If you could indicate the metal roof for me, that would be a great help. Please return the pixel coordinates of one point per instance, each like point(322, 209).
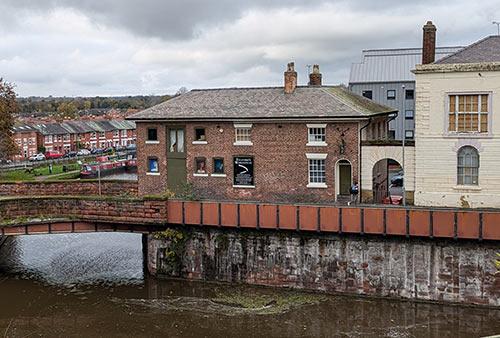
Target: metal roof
point(263, 103)
point(391, 65)
point(485, 50)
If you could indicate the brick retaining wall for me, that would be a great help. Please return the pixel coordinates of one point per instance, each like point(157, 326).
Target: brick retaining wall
point(99, 209)
point(70, 188)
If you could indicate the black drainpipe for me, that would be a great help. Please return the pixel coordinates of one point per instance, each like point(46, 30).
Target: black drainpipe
point(360, 159)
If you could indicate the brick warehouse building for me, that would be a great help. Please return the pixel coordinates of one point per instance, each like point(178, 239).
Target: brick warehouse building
point(291, 143)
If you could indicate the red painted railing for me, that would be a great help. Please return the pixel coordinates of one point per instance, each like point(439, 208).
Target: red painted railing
point(363, 220)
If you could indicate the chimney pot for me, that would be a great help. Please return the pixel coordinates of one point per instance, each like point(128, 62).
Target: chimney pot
point(290, 78)
point(315, 77)
point(429, 43)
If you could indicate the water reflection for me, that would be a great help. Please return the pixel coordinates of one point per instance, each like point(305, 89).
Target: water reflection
point(92, 285)
point(75, 258)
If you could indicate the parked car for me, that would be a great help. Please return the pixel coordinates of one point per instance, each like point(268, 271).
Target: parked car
point(37, 157)
point(109, 150)
point(83, 152)
point(70, 154)
point(52, 155)
point(96, 151)
point(397, 181)
point(131, 147)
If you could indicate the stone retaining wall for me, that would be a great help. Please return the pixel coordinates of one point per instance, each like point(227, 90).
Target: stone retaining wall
point(69, 188)
point(444, 270)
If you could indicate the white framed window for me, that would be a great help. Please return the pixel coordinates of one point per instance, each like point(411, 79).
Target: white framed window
point(468, 166)
point(317, 170)
point(153, 167)
point(316, 135)
point(243, 134)
point(468, 113)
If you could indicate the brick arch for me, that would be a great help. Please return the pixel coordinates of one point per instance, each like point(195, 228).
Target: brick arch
point(373, 154)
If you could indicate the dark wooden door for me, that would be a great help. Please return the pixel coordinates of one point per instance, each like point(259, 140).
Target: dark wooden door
point(176, 159)
point(345, 178)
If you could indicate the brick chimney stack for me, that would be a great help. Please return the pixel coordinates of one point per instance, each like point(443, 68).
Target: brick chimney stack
point(315, 77)
point(429, 43)
point(290, 78)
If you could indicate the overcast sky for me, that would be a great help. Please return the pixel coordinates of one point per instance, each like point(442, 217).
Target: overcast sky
point(122, 47)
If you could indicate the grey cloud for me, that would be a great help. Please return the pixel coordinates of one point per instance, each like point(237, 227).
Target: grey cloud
point(183, 19)
point(200, 43)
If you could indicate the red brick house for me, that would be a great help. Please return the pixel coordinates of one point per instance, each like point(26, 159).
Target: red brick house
point(291, 143)
point(71, 136)
point(27, 141)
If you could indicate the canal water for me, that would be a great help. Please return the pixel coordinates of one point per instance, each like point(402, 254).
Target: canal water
point(92, 285)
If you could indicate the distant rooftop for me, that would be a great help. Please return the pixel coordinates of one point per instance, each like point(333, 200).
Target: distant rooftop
point(485, 50)
point(392, 65)
point(264, 103)
point(80, 127)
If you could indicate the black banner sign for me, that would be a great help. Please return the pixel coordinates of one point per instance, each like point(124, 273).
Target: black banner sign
point(243, 171)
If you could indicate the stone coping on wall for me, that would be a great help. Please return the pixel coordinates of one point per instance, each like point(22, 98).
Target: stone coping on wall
point(68, 187)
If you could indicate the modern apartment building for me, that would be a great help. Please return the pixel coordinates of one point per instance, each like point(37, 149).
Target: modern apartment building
point(384, 75)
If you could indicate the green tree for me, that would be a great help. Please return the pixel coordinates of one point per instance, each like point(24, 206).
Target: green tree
point(8, 107)
point(87, 105)
point(67, 110)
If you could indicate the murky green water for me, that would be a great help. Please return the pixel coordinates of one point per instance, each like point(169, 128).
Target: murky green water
point(92, 285)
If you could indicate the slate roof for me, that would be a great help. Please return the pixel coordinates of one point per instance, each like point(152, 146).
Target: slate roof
point(81, 127)
point(51, 129)
point(485, 50)
point(391, 65)
point(23, 128)
point(263, 103)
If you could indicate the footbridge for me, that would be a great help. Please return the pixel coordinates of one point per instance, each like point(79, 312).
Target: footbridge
point(58, 214)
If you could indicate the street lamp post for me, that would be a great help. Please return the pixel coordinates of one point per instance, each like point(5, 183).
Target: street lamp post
point(498, 26)
point(403, 144)
point(99, 176)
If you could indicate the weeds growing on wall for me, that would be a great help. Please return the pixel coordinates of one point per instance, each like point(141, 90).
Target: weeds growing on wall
point(173, 253)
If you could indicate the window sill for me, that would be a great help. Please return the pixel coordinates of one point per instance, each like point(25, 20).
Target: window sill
point(467, 188)
point(244, 186)
point(243, 143)
point(317, 185)
point(152, 174)
point(200, 142)
point(218, 175)
point(317, 144)
point(200, 175)
point(152, 142)
point(468, 135)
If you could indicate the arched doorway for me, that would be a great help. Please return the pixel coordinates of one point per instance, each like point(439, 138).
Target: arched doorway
point(343, 171)
point(387, 181)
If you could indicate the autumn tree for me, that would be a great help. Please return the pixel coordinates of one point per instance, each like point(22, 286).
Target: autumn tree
point(67, 111)
point(8, 107)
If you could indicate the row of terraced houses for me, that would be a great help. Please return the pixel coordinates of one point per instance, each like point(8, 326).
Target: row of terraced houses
point(71, 136)
point(311, 143)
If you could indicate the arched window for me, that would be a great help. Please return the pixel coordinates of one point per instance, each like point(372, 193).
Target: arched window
point(468, 166)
